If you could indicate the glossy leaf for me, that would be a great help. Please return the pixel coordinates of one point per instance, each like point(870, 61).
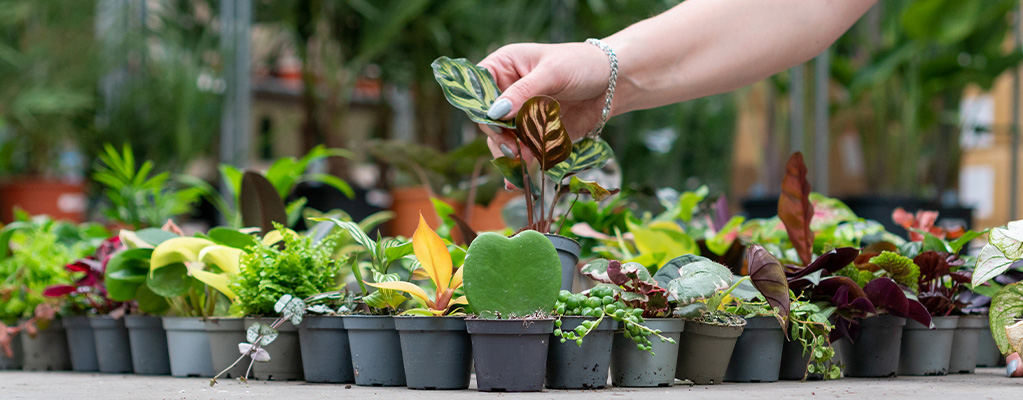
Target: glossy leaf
point(227, 259)
point(593, 189)
point(586, 154)
point(469, 88)
point(885, 294)
point(177, 250)
point(432, 254)
point(260, 203)
point(540, 130)
point(660, 239)
point(688, 201)
point(511, 169)
point(231, 237)
point(991, 262)
point(219, 282)
point(964, 240)
point(125, 272)
point(171, 280)
point(795, 208)
point(416, 292)
point(831, 261)
point(1006, 308)
point(768, 276)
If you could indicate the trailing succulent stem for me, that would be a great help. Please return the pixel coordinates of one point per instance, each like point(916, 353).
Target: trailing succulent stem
point(600, 302)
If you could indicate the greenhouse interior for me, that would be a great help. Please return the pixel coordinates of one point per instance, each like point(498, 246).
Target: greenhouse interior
point(427, 198)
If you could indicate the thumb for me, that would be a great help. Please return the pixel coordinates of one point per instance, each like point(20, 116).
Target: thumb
point(508, 104)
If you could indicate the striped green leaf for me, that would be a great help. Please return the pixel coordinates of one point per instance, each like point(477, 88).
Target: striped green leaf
point(587, 154)
point(541, 131)
point(469, 88)
point(354, 230)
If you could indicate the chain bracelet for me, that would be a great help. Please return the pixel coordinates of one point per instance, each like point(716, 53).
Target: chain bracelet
point(612, 80)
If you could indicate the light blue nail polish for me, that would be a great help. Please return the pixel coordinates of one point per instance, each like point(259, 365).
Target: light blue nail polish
point(506, 150)
point(1011, 367)
point(499, 109)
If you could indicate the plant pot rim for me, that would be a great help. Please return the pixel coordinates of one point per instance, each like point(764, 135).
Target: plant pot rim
point(973, 322)
point(571, 242)
point(324, 322)
point(142, 321)
point(713, 330)
point(940, 323)
point(368, 322)
point(106, 322)
point(883, 320)
point(762, 322)
point(525, 326)
point(421, 323)
point(220, 324)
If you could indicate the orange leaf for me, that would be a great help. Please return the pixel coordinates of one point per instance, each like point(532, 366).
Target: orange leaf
point(456, 281)
point(432, 254)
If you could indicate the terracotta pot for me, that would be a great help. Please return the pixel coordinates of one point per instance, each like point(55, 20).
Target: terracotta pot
point(408, 202)
point(489, 218)
point(36, 195)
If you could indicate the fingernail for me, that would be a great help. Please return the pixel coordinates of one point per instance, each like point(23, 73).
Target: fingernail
point(1010, 368)
point(499, 109)
point(506, 150)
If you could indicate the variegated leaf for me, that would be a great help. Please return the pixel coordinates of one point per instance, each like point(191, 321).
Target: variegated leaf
point(469, 88)
point(593, 189)
point(541, 131)
point(586, 154)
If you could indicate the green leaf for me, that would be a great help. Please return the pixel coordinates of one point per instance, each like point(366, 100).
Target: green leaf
point(294, 210)
point(933, 243)
point(511, 169)
point(231, 238)
point(149, 302)
point(688, 201)
point(232, 178)
point(511, 277)
point(125, 272)
point(593, 189)
point(723, 239)
point(669, 243)
point(965, 239)
point(540, 130)
point(586, 154)
point(469, 88)
point(334, 182)
point(355, 230)
point(170, 281)
point(1006, 308)
point(697, 278)
point(991, 262)
point(154, 236)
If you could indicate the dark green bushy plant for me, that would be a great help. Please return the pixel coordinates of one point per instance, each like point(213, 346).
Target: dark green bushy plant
point(301, 267)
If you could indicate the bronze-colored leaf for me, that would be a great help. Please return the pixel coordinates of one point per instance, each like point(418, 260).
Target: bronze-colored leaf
point(768, 276)
point(795, 208)
point(540, 130)
point(260, 204)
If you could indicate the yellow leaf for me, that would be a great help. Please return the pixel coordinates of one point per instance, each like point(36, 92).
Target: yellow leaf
point(272, 237)
point(461, 300)
point(177, 250)
point(417, 292)
point(432, 254)
point(456, 281)
point(225, 258)
point(216, 281)
point(420, 274)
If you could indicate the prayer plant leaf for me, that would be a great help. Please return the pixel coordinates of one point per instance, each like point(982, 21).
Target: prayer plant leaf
point(586, 154)
point(511, 169)
point(795, 208)
point(599, 193)
point(469, 88)
point(540, 130)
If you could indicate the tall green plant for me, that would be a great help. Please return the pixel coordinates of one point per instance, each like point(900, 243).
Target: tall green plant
point(136, 197)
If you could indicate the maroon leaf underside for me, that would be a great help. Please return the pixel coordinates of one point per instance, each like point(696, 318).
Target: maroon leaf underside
point(795, 209)
point(886, 294)
point(768, 276)
point(831, 261)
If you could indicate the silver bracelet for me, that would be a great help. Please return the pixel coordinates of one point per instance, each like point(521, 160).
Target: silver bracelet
point(595, 133)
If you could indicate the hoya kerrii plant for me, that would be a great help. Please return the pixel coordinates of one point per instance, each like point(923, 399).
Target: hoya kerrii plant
point(538, 128)
point(511, 278)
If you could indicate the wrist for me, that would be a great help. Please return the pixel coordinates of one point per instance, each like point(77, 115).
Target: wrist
point(628, 87)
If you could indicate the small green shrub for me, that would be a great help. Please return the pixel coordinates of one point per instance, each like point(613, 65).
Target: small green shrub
point(300, 268)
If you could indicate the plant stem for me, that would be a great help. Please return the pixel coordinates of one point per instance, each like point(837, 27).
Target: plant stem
point(566, 214)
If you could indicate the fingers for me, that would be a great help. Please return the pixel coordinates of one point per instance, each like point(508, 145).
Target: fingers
point(536, 83)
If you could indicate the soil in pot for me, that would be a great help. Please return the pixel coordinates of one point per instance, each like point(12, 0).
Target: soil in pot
point(188, 345)
point(47, 350)
point(571, 366)
point(285, 353)
point(964, 344)
point(988, 354)
point(704, 351)
point(568, 253)
point(225, 334)
point(632, 367)
point(511, 354)
point(927, 351)
point(376, 350)
point(81, 344)
point(113, 348)
point(148, 345)
point(758, 352)
point(326, 354)
point(18, 356)
point(436, 352)
point(875, 354)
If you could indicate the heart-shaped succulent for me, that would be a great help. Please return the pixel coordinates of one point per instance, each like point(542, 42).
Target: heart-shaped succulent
point(511, 277)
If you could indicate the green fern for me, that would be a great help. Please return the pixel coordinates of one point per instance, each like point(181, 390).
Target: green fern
point(900, 268)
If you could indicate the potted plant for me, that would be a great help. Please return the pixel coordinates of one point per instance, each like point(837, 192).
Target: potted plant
point(375, 343)
point(435, 346)
point(538, 128)
point(1001, 253)
point(807, 353)
point(617, 318)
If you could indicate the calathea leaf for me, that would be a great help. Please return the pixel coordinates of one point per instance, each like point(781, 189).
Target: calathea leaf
point(795, 208)
point(469, 88)
point(577, 186)
point(586, 154)
point(768, 276)
point(541, 131)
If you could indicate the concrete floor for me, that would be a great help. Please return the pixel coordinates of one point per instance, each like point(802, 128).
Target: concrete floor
point(989, 383)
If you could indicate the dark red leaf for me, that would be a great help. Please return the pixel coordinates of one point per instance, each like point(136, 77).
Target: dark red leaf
point(887, 295)
point(59, 290)
point(795, 208)
point(768, 277)
point(933, 266)
point(831, 261)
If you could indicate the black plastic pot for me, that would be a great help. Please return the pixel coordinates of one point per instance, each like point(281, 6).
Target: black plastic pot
point(794, 362)
point(704, 352)
point(436, 352)
point(927, 351)
point(571, 366)
point(15, 362)
point(875, 353)
point(964, 344)
point(632, 367)
point(510, 355)
point(568, 253)
point(188, 345)
point(148, 345)
point(758, 352)
point(47, 350)
point(81, 344)
point(113, 348)
point(326, 355)
point(988, 354)
point(285, 354)
point(376, 350)
point(224, 335)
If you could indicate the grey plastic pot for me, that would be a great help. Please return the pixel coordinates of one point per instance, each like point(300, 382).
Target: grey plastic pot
point(148, 345)
point(964, 344)
point(632, 367)
point(81, 344)
point(113, 348)
point(47, 350)
point(188, 345)
point(988, 354)
point(225, 334)
point(510, 355)
point(326, 355)
point(571, 366)
point(926, 351)
point(15, 362)
point(376, 350)
point(794, 362)
point(876, 352)
point(704, 352)
point(758, 352)
point(436, 352)
point(285, 354)
point(568, 253)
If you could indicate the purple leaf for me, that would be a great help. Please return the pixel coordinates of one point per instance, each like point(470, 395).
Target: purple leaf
point(831, 261)
point(58, 290)
point(768, 277)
